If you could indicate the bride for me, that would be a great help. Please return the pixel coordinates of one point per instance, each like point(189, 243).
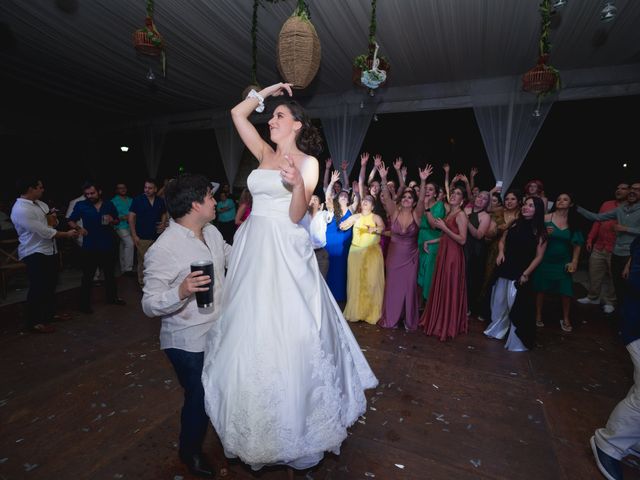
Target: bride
point(283, 375)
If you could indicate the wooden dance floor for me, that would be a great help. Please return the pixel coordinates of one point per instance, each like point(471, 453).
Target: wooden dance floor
point(98, 400)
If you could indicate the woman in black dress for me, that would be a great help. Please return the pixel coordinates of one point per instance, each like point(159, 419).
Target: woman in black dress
point(520, 251)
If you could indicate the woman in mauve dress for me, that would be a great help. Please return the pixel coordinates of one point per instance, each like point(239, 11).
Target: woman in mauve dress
point(401, 290)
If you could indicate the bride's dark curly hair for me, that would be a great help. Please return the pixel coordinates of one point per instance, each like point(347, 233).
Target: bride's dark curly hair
point(308, 139)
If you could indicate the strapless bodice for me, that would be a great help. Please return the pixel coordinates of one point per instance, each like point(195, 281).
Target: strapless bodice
point(271, 196)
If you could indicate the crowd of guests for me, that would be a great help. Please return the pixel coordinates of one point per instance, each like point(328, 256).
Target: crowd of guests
point(112, 233)
point(394, 252)
point(429, 255)
point(420, 254)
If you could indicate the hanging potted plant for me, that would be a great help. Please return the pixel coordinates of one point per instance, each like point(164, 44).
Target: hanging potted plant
point(298, 50)
point(370, 69)
point(147, 40)
point(543, 79)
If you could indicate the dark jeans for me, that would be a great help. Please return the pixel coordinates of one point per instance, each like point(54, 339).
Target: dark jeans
point(619, 284)
point(193, 420)
point(42, 271)
point(92, 259)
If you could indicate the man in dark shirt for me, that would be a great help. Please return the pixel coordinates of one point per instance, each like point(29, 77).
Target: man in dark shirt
point(147, 219)
point(98, 246)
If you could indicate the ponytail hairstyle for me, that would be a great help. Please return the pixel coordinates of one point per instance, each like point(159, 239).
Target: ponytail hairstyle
point(308, 139)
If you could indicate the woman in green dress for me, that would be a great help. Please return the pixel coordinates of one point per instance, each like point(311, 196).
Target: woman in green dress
point(429, 239)
point(560, 259)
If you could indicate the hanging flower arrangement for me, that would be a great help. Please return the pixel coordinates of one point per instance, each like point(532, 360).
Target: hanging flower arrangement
point(543, 79)
point(147, 40)
point(370, 69)
point(298, 50)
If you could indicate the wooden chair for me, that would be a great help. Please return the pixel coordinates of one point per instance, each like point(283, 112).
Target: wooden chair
point(9, 263)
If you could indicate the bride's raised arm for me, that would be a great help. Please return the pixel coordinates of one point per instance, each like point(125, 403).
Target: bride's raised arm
point(240, 116)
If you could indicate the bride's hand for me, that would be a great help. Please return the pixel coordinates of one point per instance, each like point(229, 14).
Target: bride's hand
point(290, 174)
point(277, 90)
point(194, 282)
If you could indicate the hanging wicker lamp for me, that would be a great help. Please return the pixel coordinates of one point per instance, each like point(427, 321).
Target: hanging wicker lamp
point(541, 79)
point(298, 50)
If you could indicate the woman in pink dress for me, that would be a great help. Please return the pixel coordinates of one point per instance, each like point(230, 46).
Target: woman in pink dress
point(446, 312)
point(244, 207)
point(401, 289)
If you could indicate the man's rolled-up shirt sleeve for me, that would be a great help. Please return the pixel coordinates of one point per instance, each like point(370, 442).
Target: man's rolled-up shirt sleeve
point(161, 284)
point(34, 224)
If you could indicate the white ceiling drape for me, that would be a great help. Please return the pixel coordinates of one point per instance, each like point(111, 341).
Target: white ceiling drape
point(345, 127)
point(152, 144)
point(230, 146)
point(507, 123)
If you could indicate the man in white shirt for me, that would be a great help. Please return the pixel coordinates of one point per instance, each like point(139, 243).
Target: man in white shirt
point(169, 287)
point(38, 250)
point(315, 223)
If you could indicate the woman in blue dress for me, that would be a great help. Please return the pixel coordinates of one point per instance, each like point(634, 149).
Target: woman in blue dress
point(338, 241)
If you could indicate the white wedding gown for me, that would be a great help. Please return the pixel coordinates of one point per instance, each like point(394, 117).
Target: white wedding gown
point(283, 375)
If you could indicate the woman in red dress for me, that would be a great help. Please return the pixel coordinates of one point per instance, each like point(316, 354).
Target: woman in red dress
point(446, 312)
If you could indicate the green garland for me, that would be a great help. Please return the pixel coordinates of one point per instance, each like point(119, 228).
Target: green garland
point(545, 28)
point(254, 43)
point(372, 28)
point(545, 43)
point(361, 60)
point(152, 33)
point(302, 10)
point(254, 36)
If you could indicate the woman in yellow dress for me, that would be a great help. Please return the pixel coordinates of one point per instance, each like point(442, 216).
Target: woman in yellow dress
point(365, 269)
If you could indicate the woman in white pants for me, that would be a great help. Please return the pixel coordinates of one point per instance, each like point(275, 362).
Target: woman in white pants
point(520, 250)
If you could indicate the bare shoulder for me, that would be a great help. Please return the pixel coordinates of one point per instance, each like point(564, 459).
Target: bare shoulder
point(308, 163)
point(310, 172)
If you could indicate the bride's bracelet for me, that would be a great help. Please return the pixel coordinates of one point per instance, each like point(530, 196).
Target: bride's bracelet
point(260, 98)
